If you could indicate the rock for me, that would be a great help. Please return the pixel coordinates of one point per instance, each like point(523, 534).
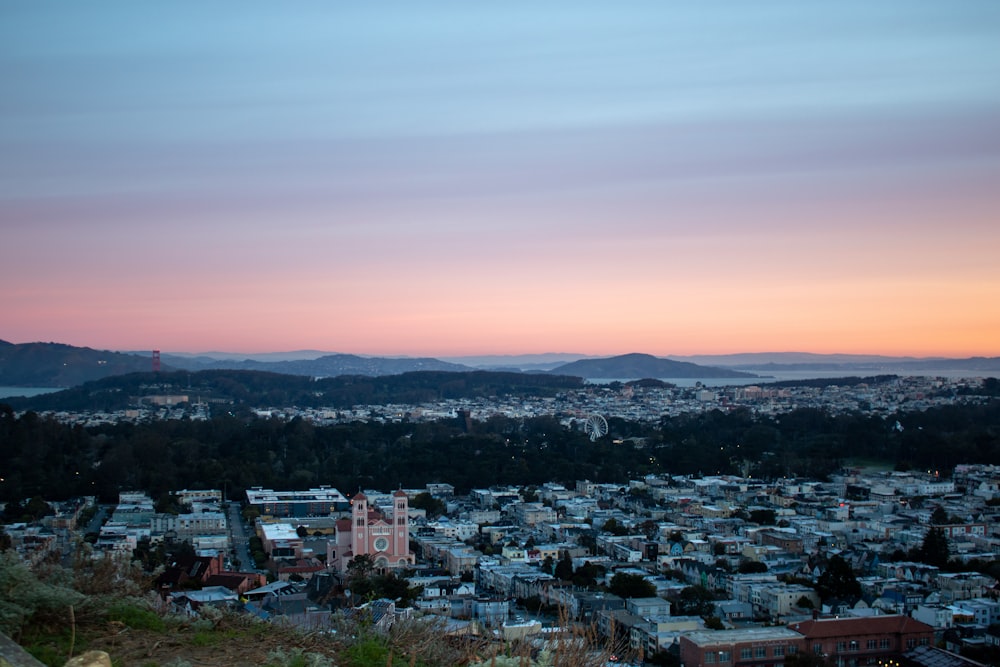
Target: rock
point(90, 659)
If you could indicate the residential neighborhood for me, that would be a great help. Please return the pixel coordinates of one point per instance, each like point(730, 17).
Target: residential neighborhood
point(728, 570)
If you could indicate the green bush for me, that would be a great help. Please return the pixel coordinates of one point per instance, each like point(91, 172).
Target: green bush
point(25, 599)
point(136, 617)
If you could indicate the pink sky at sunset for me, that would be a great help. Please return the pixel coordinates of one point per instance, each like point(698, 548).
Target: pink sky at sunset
point(483, 181)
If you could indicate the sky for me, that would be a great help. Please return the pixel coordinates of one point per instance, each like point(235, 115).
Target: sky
point(448, 178)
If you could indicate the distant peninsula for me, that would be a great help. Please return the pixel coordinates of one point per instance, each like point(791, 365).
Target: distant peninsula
point(636, 366)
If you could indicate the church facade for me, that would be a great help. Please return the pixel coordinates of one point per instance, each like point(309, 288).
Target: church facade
point(368, 533)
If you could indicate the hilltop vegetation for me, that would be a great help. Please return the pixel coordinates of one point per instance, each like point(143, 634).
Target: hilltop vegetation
point(103, 604)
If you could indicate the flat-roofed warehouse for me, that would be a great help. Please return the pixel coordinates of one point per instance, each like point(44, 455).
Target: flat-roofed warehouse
point(314, 502)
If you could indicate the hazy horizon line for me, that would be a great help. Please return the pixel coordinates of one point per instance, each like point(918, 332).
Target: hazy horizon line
point(551, 353)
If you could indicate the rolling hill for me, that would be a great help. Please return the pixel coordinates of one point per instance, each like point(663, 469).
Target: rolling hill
point(636, 366)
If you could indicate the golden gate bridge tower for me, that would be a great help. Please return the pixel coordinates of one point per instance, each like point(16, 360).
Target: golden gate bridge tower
point(156, 361)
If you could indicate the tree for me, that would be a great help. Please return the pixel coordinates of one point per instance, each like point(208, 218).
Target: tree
point(626, 585)
point(764, 517)
point(434, 507)
point(612, 526)
point(694, 601)
point(168, 503)
point(360, 567)
point(939, 516)
point(934, 549)
point(838, 580)
point(564, 568)
point(36, 509)
point(586, 575)
point(714, 623)
point(751, 567)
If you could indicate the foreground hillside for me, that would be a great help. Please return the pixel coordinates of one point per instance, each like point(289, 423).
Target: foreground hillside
point(56, 612)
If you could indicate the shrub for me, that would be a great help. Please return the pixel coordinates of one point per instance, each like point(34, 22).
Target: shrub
point(135, 617)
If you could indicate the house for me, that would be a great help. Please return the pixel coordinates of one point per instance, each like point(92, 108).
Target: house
point(654, 608)
point(190, 568)
point(295, 609)
point(188, 602)
point(238, 582)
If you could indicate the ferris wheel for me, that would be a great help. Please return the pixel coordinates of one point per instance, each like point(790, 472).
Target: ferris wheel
point(596, 427)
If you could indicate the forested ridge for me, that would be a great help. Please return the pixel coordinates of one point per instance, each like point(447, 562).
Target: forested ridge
point(263, 389)
point(44, 457)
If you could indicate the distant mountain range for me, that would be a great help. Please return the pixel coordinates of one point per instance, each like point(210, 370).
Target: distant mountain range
point(60, 365)
point(850, 363)
point(636, 366)
point(330, 365)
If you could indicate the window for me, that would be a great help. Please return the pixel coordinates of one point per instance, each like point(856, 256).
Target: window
point(853, 646)
point(883, 643)
point(871, 644)
point(760, 652)
point(779, 651)
point(710, 657)
point(817, 648)
point(923, 641)
point(792, 649)
point(910, 643)
point(841, 647)
point(724, 656)
point(746, 653)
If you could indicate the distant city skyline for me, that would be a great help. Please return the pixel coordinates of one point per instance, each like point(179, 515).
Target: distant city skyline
point(448, 179)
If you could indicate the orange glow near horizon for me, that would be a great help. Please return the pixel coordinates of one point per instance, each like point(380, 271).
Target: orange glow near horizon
point(447, 180)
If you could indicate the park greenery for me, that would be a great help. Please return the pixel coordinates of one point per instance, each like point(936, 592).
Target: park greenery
point(236, 450)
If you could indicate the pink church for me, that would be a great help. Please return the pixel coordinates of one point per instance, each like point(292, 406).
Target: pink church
point(367, 532)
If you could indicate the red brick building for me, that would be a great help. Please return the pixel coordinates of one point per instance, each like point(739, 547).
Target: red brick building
point(863, 641)
point(846, 642)
point(746, 647)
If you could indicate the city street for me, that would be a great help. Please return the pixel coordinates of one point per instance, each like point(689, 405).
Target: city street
point(239, 538)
